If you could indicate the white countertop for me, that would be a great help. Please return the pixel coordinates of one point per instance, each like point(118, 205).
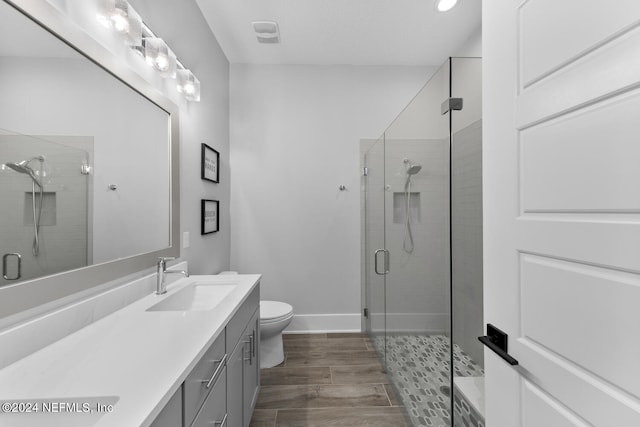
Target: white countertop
point(139, 356)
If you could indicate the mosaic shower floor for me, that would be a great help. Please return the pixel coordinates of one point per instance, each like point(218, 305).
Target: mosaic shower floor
point(418, 365)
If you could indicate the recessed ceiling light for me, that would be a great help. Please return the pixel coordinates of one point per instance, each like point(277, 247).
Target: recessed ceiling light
point(444, 5)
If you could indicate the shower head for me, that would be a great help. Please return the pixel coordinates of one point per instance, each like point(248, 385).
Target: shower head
point(23, 167)
point(19, 167)
point(413, 169)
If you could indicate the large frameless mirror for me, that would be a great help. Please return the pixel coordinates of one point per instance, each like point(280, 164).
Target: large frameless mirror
point(88, 162)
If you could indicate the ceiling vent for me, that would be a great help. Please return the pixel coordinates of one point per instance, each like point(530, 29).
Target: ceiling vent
point(266, 31)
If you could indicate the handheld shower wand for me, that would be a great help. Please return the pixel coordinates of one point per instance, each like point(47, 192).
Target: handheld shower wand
point(412, 169)
point(23, 167)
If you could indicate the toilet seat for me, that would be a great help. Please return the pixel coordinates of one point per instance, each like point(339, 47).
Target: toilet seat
point(274, 311)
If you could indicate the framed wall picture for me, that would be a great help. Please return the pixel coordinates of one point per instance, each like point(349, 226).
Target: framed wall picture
point(210, 169)
point(209, 219)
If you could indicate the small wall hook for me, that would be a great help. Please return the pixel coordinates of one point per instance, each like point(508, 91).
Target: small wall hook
point(342, 187)
point(113, 187)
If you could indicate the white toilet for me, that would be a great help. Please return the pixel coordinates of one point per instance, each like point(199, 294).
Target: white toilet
point(274, 317)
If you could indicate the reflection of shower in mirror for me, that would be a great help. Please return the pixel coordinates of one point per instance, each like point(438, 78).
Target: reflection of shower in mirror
point(23, 167)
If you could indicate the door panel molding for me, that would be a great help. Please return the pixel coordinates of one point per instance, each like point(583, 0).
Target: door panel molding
point(562, 210)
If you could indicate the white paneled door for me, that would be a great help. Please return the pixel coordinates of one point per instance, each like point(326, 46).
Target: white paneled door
point(562, 211)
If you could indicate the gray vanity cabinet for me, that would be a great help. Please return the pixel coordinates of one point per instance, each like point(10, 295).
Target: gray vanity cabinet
point(234, 387)
point(171, 414)
point(243, 372)
point(243, 367)
point(214, 411)
point(203, 378)
point(251, 368)
point(223, 387)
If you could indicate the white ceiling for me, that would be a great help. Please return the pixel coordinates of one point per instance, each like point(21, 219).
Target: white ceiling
point(357, 32)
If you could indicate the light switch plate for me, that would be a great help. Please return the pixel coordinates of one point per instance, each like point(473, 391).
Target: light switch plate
point(185, 240)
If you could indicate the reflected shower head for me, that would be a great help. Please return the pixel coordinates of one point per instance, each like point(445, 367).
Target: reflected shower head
point(20, 167)
point(23, 167)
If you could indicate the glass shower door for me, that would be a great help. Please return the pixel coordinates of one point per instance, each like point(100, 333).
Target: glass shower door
point(408, 215)
point(417, 228)
point(375, 259)
point(466, 228)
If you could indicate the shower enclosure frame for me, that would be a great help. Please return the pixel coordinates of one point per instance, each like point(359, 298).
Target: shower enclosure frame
point(376, 289)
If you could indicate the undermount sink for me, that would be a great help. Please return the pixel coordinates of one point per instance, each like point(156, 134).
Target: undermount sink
point(65, 411)
point(196, 296)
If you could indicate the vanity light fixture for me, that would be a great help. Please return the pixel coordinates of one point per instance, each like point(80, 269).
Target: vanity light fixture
point(188, 85)
point(119, 15)
point(445, 5)
point(160, 56)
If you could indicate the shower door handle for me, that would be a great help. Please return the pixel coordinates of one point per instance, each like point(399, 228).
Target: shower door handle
point(4, 266)
point(387, 261)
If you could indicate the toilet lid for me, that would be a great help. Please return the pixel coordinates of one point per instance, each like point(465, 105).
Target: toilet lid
point(274, 309)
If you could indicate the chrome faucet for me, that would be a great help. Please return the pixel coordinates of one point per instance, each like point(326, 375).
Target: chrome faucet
point(161, 284)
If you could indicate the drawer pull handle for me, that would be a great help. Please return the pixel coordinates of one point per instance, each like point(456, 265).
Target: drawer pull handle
point(253, 335)
point(215, 375)
point(222, 423)
point(250, 342)
point(252, 346)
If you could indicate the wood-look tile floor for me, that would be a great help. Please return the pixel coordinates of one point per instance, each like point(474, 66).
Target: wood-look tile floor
point(327, 380)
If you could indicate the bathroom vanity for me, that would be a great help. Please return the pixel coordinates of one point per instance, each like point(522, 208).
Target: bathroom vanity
point(222, 388)
point(186, 358)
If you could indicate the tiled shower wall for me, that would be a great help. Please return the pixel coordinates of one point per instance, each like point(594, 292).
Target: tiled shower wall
point(466, 216)
point(417, 285)
point(418, 282)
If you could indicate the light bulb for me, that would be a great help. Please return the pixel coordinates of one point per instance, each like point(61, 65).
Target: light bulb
point(158, 55)
point(121, 17)
point(120, 23)
point(188, 85)
point(444, 5)
point(162, 62)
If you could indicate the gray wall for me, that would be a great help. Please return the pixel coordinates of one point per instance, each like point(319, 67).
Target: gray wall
point(296, 132)
point(181, 24)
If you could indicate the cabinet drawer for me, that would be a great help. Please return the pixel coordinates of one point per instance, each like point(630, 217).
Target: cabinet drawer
point(171, 414)
point(251, 368)
point(203, 377)
point(214, 410)
point(239, 321)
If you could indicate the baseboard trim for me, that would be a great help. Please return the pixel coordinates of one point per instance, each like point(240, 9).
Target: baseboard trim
point(421, 323)
point(323, 323)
